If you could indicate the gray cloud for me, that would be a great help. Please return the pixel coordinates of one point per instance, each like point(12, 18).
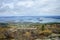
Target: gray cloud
point(30, 7)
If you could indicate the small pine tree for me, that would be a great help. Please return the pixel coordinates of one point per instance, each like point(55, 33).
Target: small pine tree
point(42, 27)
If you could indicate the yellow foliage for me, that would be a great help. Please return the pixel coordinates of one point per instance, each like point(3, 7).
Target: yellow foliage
point(27, 34)
point(47, 31)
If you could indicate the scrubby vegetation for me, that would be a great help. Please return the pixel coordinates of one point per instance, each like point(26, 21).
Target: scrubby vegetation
point(28, 31)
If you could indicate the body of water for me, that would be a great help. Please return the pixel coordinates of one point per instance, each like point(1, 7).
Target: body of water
point(40, 19)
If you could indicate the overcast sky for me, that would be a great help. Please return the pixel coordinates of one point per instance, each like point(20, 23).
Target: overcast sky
point(29, 7)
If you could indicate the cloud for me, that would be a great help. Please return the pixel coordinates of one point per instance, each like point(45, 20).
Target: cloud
point(49, 7)
point(10, 5)
point(30, 7)
point(25, 3)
